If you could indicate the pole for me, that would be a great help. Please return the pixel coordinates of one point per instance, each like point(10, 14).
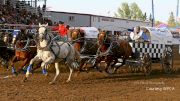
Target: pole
point(177, 12)
point(35, 6)
point(45, 2)
point(31, 3)
point(153, 13)
point(44, 12)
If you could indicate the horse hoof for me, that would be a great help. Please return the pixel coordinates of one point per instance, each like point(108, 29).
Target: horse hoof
point(68, 81)
point(51, 83)
point(15, 74)
point(25, 79)
point(87, 71)
point(77, 74)
point(46, 75)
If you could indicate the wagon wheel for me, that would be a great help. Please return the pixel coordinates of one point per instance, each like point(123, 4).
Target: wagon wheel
point(146, 64)
point(167, 61)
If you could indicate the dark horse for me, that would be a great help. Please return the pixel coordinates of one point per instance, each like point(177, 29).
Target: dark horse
point(5, 54)
point(111, 50)
point(23, 52)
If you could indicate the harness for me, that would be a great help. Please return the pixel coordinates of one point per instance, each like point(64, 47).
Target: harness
point(49, 47)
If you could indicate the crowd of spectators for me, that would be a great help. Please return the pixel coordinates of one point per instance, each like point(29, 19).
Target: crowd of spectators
point(15, 15)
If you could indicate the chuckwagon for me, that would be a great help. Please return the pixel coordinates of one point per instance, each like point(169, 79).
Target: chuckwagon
point(156, 48)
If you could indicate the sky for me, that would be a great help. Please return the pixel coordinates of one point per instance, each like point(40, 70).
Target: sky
point(162, 8)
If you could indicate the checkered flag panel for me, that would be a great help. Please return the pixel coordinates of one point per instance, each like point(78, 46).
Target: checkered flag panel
point(154, 50)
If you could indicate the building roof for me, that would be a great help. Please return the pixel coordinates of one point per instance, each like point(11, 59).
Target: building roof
point(97, 16)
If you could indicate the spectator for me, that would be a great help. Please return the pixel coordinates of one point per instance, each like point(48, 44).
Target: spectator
point(17, 15)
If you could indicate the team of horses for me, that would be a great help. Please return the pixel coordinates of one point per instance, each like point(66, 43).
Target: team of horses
point(49, 51)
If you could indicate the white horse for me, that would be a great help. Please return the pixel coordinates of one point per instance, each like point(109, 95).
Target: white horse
point(50, 51)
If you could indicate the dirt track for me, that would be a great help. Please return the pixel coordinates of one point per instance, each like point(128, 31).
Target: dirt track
point(94, 86)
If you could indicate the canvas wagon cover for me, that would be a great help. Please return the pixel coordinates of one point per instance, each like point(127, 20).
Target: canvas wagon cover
point(160, 36)
point(90, 32)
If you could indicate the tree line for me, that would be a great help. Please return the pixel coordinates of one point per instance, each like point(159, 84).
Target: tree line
point(133, 11)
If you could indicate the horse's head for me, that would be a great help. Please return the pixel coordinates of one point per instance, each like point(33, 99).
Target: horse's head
point(77, 34)
point(20, 44)
point(42, 31)
point(102, 37)
point(45, 38)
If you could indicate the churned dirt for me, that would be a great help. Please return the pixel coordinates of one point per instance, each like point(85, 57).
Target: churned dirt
point(94, 86)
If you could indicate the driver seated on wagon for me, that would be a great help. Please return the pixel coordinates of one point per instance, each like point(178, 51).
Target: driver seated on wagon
point(62, 30)
point(139, 35)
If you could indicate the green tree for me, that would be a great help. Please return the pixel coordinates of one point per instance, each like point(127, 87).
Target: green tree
point(150, 17)
point(145, 17)
point(136, 13)
point(130, 12)
point(123, 11)
point(171, 20)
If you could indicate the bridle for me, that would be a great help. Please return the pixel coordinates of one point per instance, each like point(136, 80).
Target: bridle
point(103, 41)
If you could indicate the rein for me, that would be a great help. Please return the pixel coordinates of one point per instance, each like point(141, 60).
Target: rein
point(25, 48)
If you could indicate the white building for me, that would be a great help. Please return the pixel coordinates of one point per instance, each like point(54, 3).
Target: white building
point(101, 22)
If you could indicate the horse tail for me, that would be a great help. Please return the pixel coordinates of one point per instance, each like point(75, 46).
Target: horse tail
point(73, 57)
point(75, 64)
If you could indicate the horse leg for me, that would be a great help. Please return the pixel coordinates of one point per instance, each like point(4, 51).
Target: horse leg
point(110, 64)
point(57, 73)
point(45, 64)
point(44, 70)
point(23, 64)
point(96, 64)
point(107, 66)
point(70, 74)
point(12, 65)
point(123, 63)
point(115, 61)
point(36, 67)
point(36, 58)
point(80, 67)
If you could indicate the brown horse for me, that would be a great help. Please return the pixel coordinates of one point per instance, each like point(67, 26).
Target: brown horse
point(111, 50)
point(83, 46)
point(22, 53)
point(77, 35)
